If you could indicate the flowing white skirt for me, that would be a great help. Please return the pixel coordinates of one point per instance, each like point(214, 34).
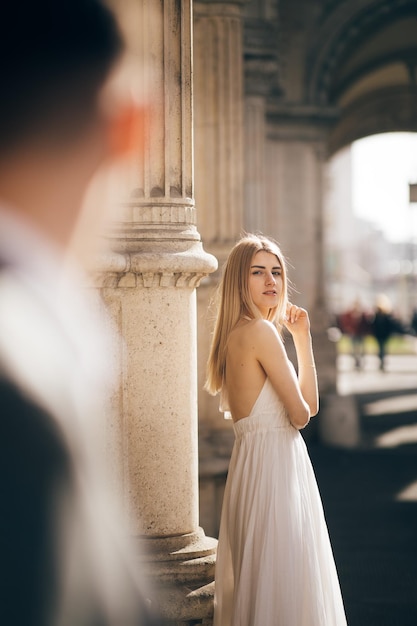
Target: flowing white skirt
point(275, 565)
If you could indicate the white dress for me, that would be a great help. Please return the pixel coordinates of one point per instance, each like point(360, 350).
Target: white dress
point(275, 565)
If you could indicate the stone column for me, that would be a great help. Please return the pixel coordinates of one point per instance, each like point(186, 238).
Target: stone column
point(218, 83)
point(261, 83)
point(149, 281)
point(296, 160)
point(218, 128)
point(219, 161)
point(295, 191)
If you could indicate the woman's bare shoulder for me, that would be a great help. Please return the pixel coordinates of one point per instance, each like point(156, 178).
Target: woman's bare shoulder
point(256, 330)
point(262, 328)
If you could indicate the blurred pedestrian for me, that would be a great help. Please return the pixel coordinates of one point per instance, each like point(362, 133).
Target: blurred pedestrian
point(62, 562)
point(384, 324)
point(355, 323)
point(413, 324)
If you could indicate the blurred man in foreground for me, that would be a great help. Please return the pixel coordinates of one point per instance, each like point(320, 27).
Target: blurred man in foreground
point(60, 565)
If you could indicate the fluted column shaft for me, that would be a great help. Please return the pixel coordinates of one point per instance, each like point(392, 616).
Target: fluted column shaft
point(219, 160)
point(218, 80)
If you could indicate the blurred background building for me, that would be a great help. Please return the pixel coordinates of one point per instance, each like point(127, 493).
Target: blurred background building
point(363, 259)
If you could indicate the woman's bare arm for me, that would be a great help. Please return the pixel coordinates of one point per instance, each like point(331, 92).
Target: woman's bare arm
point(299, 396)
point(298, 324)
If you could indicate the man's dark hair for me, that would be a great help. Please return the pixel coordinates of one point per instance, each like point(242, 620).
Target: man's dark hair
point(55, 55)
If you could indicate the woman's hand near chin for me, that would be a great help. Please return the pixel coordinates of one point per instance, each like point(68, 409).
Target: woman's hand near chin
point(297, 321)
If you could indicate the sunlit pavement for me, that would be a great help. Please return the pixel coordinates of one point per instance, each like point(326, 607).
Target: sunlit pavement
point(370, 495)
point(400, 373)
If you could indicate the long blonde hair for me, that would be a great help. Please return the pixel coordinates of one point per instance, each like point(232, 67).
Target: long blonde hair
point(234, 301)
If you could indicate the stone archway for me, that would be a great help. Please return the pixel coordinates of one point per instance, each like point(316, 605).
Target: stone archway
point(385, 110)
point(345, 28)
point(362, 66)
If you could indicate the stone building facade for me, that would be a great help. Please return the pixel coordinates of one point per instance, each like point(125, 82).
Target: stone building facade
point(278, 87)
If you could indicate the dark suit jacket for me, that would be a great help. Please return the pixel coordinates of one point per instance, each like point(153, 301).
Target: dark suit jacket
point(36, 471)
point(34, 468)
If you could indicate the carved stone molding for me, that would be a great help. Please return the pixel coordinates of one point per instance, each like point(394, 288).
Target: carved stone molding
point(132, 280)
point(181, 268)
point(159, 212)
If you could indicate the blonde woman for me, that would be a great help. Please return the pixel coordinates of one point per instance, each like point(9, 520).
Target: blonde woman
point(275, 564)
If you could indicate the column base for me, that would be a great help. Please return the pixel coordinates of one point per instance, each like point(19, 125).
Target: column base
point(181, 572)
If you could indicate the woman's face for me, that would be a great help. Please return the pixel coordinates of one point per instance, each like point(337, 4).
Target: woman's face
point(265, 281)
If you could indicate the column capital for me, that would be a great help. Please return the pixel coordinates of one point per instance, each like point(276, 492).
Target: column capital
point(173, 266)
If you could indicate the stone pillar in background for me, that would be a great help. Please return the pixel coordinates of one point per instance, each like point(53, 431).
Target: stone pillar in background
point(296, 156)
point(261, 84)
point(295, 189)
point(219, 167)
point(149, 281)
point(218, 96)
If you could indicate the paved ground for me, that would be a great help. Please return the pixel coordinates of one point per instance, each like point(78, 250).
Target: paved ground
point(370, 496)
